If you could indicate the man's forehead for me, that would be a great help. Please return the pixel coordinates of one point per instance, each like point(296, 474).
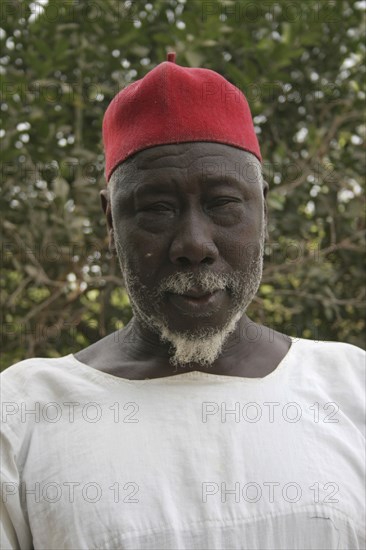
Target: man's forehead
point(187, 154)
point(202, 161)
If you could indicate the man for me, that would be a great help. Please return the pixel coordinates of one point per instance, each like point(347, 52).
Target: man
point(193, 427)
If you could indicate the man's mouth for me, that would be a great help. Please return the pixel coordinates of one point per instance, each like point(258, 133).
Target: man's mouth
point(197, 293)
point(196, 301)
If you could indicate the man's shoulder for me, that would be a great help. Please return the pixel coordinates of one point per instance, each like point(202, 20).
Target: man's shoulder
point(26, 386)
point(29, 376)
point(331, 350)
point(336, 372)
point(326, 362)
point(336, 365)
point(333, 358)
point(25, 368)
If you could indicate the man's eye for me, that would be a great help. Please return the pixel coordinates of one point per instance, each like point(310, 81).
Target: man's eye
point(224, 201)
point(157, 207)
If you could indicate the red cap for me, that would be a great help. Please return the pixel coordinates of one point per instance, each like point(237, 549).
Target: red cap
point(174, 104)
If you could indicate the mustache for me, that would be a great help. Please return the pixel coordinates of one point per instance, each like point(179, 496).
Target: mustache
point(205, 281)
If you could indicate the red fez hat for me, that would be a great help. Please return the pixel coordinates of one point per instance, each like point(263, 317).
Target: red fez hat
point(174, 104)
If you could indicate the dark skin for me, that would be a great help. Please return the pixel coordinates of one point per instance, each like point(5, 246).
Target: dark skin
point(180, 208)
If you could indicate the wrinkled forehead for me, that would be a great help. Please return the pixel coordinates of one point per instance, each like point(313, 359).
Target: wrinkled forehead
point(201, 161)
point(192, 156)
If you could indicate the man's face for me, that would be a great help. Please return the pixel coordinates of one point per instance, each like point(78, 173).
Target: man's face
point(188, 225)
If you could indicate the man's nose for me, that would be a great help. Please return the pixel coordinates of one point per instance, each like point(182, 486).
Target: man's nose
point(193, 242)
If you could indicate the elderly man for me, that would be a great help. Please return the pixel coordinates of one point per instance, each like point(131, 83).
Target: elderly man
point(193, 427)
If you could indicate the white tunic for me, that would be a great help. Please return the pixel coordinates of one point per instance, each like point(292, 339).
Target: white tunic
point(190, 461)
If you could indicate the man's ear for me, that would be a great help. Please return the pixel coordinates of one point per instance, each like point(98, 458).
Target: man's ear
point(106, 206)
point(265, 192)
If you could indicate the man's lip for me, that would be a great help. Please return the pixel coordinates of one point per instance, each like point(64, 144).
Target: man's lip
point(197, 293)
point(194, 302)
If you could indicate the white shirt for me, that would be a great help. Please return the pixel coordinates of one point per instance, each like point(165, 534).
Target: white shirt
point(190, 461)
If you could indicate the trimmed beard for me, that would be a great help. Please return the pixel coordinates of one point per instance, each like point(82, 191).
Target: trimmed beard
point(204, 345)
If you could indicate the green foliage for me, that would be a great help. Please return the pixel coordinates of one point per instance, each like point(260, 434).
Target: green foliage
point(300, 66)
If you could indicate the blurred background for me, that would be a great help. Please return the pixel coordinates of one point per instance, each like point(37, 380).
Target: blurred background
point(301, 67)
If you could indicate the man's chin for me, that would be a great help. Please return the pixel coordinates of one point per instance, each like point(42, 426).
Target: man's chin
point(200, 346)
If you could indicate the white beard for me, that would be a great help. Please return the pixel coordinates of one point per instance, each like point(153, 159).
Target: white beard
point(201, 347)
point(204, 345)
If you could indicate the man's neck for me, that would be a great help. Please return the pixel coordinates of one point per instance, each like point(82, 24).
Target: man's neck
point(136, 353)
point(246, 340)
